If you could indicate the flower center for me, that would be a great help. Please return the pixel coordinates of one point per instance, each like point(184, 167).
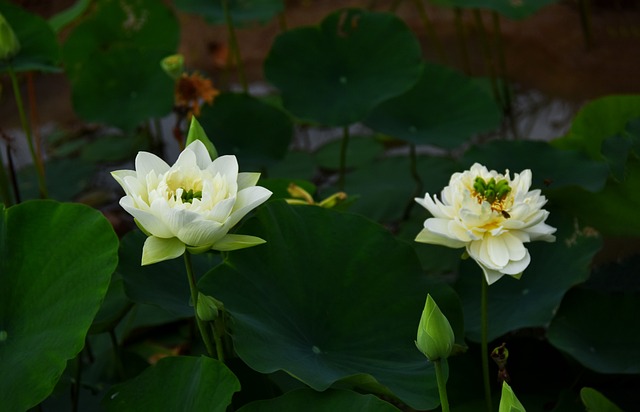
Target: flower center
point(493, 192)
point(188, 196)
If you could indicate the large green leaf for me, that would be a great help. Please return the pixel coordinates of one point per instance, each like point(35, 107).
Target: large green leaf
point(385, 187)
point(513, 9)
point(329, 401)
point(445, 108)
point(612, 211)
point(179, 383)
point(162, 284)
point(330, 295)
point(599, 120)
point(38, 45)
point(55, 264)
point(112, 59)
point(336, 73)
point(532, 300)
point(257, 132)
point(242, 11)
point(598, 324)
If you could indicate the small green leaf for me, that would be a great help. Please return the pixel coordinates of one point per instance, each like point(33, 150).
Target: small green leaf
point(179, 383)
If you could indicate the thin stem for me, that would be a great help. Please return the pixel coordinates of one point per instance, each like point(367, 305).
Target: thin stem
point(33, 113)
point(462, 43)
point(484, 348)
point(27, 132)
point(413, 169)
point(486, 54)
point(431, 33)
point(502, 64)
point(5, 188)
point(75, 388)
point(343, 157)
point(585, 22)
point(217, 328)
point(442, 386)
point(202, 326)
point(235, 48)
point(116, 353)
point(282, 21)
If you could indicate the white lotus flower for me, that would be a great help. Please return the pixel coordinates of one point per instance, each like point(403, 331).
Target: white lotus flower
point(190, 205)
point(492, 216)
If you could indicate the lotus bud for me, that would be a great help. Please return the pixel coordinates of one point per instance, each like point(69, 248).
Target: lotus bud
point(196, 132)
point(9, 44)
point(435, 336)
point(173, 65)
point(508, 400)
point(207, 307)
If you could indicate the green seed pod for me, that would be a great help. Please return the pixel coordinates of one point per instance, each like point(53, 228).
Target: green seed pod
point(490, 195)
point(503, 192)
point(479, 185)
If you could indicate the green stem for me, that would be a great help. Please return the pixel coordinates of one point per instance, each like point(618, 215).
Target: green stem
point(5, 188)
point(484, 345)
point(442, 386)
point(431, 33)
point(486, 54)
point(217, 328)
point(462, 43)
point(75, 388)
point(413, 169)
point(585, 22)
point(343, 157)
point(202, 325)
point(117, 354)
point(502, 64)
point(235, 48)
point(282, 21)
point(27, 132)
